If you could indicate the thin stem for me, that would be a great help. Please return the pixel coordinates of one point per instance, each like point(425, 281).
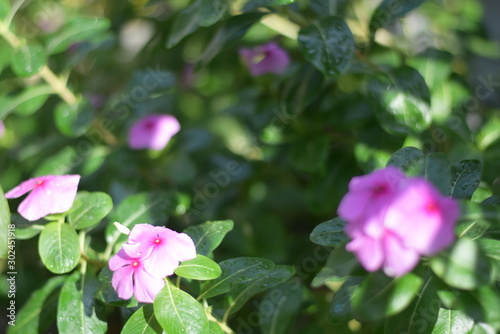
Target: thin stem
point(222, 325)
point(15, 7)
point(58, 85)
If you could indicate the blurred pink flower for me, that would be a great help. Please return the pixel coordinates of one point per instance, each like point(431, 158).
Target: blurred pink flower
point(393, 220)
point(163, 248)
point(50, 194)
point(130, 277)
point(267, 58)
point(2, 129)
point(153, 132)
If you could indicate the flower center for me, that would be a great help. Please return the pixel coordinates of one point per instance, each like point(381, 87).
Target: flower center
point(432, 207)
point(135, 264)
point(157, 241)
point(379, 189)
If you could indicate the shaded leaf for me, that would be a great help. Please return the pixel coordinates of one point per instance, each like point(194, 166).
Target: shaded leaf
point(390, 10)
point(340, 311)
point(466, 176)
point(28, 60)
point(59, 247)
point(330, 233)
point(209, 235)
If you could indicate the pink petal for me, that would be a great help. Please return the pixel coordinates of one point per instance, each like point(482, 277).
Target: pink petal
point(122, 281)
point(182, 247)
point(24, 187)
point(368, 251)
point(268, 58)
point(153, 132)
point(146, 287)
point(398, 259)
point(119, 260)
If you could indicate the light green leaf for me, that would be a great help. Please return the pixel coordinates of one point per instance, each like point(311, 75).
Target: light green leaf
point(209, 235)
point(211, 11)
point(184, 24)
point(142, 321)
point(93, 208)
point(200, 268)
point(28, 60)
point(27, 102)
point(4, 224)
point(74, 120)
point(452, 322)
point(339, 265)
point(59, 247)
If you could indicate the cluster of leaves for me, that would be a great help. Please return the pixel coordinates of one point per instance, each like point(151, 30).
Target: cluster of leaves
point(274, 154)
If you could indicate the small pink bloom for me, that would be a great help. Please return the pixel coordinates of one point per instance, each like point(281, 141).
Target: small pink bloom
point(268, 58)
point(394, 220)
point(131, 278)
point(162, 247)
point(153, 132)
point(50, 194)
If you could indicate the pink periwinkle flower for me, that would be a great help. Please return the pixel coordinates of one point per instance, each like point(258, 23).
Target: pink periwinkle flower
point(153, 132)
point(267, 58)
point(49, 194)
point(396, 220)
point(150, 254)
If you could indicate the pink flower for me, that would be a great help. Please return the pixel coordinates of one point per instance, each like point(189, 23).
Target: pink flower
point(394, 220)
point(130, 277)
point(50, 194)
point(153, 132)
point(268, 58)
point(163, 248)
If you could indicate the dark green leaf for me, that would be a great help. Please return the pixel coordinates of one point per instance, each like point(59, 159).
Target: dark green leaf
point(254, 4)
point(463, 266)
point(209, 235)
point(184, 24)
point(339, 265)
point(466, 176)
point(200, 268)
point(178, 312)
point(452, 322)
point(211, 11)
point(340, 311)
point(77, 312)
point(405, 157)
point(59, 247)
point(390, 10)
point(74, 120)
point(93, 208)
point(236, 271)
point(434, 167)
point(142, 321)
point(7, 236)
point(27, 102)
point(31, 318)
point(330, 233)
point(77, 30)
point(327, 44)
point(491, 249)
point(310, 155)
point(279, 306)
point(28, 60)
point(380, 296)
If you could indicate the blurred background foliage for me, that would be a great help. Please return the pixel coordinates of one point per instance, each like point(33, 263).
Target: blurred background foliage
point(273, 153)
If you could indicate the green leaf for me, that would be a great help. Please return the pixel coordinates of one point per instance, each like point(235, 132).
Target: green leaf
point(339, 265)
point(74, 120)
point(328, 44)
point(211, 11)
point(93, 208)
point(435, 168)
point(28, 60)
point(481, 328)
point(310, 155)
point(279, 306)
point(254, 4)
point(4, 8)
point(420, 316)
point(390, 10)
point(76, 30)
point(235, 271)
point(7, 50)
point(27, 102)
point(466, 176)
point(463, 266)
point(77, 312)
point(401, 101)
point(178, 312)
point(5, 233)
point(209, 235)
point(330, 233)
point(340, 311)
point(142, 321)
point(405, 157)
point(452, 322)
point(59, 247)
point(491, 248)
point(243, 292)
point(184, 24)
point(199, 268)
point(380, 296)
point(32, 317)
point(214, 328)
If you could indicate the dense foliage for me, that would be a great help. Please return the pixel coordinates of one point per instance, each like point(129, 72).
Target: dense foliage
point(279, 104)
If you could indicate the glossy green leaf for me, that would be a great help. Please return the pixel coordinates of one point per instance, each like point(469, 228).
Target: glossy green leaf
point(462, 266)
point(466, 176)
point(339, 265)
point(184, 24)
point(5, 236)
point(341, 311)
point(34, 317)
point(405, 157)
point(211, 11)
point(243, 292)
point(59, 247)
point(27, 102)
point(199, 268)
point(76, 30)
point(279, 306)
point(214, 328)
point(435, 168)
point(74, 120)
point(330, 233)
point(390, 10)
point(421, 316)
point(236, 271)
point(94, 207)
point(209, 235)
point(328, 44)
point(482, 328)
point(77, 312)
point(142, 321)
point(28, 60)
point(451, 322)
point(380, 296)
point(401, 101)
point(7, 50)
point(178, 312)
point(310, 155)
